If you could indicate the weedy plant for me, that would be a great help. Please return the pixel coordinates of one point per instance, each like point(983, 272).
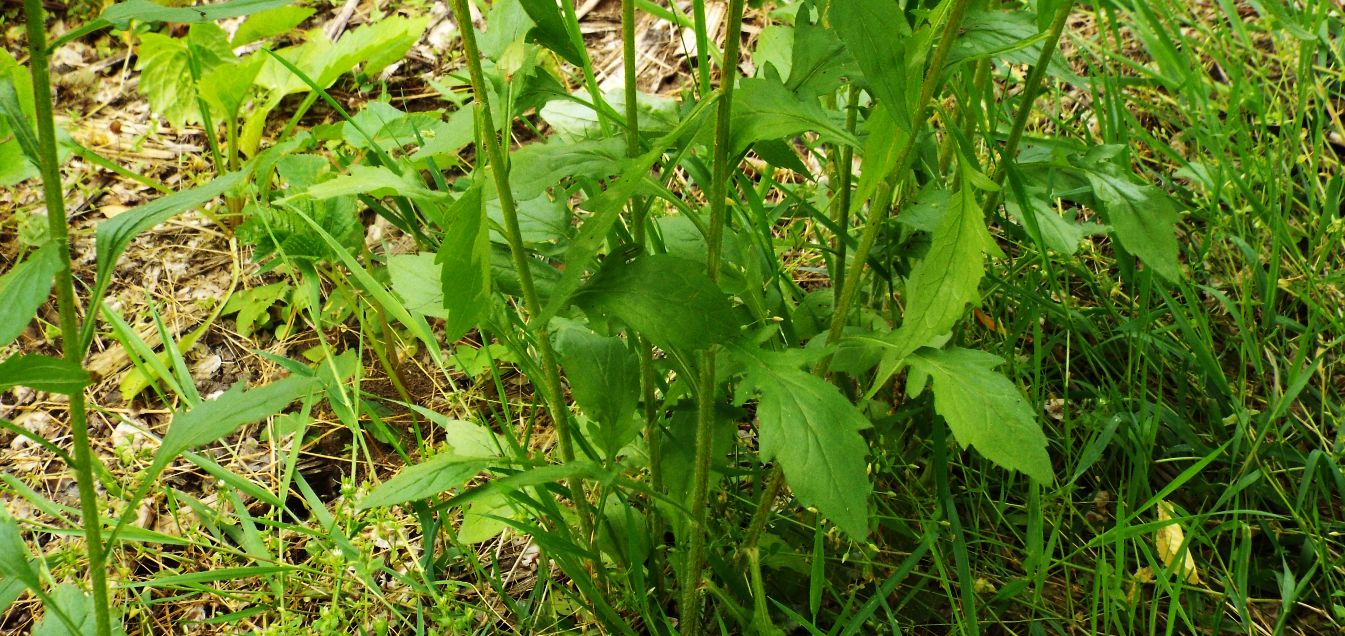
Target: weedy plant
point(629, 261)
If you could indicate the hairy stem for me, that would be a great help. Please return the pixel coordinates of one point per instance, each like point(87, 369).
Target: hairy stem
point(65, 297)
point(555, 394)
point(700, 485)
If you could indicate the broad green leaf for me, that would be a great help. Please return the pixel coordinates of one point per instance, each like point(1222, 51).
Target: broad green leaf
point(541, 219)
point(225, 88)
point(536, 167)
point(574, 119)
point(120, 14)
point(214, 419)
point(373, 180)
point(550, 30)
point(252, 305)
point(444, 471)
point(876, 34)
point(167, 77)
point(669, 300)
point(1143, 218)
point(813, 431)
point(390, 128)
point(1013, 36)
point(819, 62)
point(604, 377)
point(946, 279)
point(766, 109)
point(74, 605)
point(508, 22)
point(374, 46)
point(774, 48)
point(264, 24)
point(413, 280)
point(984, 409)
point(14, 554)
point(43, 373)
point(478, 518)
point(19, 151)
point(113, 235)
point(1060, 233)
point(24, 288)
point(464, 265)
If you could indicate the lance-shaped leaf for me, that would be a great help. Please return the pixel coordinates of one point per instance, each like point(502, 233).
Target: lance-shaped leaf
point(24, 288)
point(668, 299)
point(464, 259)
point(876, 33)
point(984, 409)
point(604, 377)
point(473, 449)
point(813, 431)
point(43, 373)
point(1142, 217)
point(944, 281)
point(766, 110)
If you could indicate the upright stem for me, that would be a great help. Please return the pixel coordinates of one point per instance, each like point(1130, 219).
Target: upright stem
point(877, 214)
point(700, 485)
point(550, 370)
point(1030, 92)
point(65, 297)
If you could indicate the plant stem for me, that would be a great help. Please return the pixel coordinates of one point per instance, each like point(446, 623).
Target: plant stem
point(65, 297)
point(555, 394)
point(700, 485)
point(877, 214)
point(1031, 89)
point(844, 178)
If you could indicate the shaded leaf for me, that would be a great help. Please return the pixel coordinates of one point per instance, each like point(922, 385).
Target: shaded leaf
point(120, 14)
point(536, 167)
point(264, 24)
point(604, 377)
point(876, 34)
point(766, 109)
point(1142, 217)
point(550, 30)
point(984, 409)
point(813, 431)
point(464, 260)
point(819, 60)
point(442, 472)
point(669, 300)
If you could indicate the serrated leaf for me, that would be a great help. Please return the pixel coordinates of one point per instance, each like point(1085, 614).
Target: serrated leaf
point(43, 373)
point(227, 86)
point(14, 554)
point(813, 431)
point(819, 61)
point(876, 33)
point(166, 74)
point(442, 472)
point(1142, 217)
point(765, 109)
point(464, 265)
point(536, 167)
point(1013, 36)
point(669, 300)
point(24, 288)
point(984, 409)
point(214, 419)
point(604, 377)
point(947, 278)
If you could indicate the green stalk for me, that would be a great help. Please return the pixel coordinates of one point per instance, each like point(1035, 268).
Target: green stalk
point(65, 297)
point(844, 178)
point(701, 29)
point(877, 214)
point(700, 485)
point(550, 370)
point(1030, 92)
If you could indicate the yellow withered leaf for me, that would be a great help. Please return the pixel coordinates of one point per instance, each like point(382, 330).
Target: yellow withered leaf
point(1169, 540)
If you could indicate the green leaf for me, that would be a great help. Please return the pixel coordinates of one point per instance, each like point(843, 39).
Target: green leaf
point(113, 235)
point(413, 281)
point(214, 419)
point(21, 152)
point(478, 518)
point(766, 109)
point(819, 60)
point(120, 15)
point(984, 409)
point(24, 288)
point(264, 24)
point(536, 167)
point(550, 30)
point(166, 69)
point(14, 554)
point(43, 373)
point(464, 265)
point(227, 86)
point(669, 300)
point(508, 22)
point(604, 377)
point(444, 471)
point(372, 180)
point(947, 278)
point(876, 34)
point(813, 431)
point(1142, 217)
